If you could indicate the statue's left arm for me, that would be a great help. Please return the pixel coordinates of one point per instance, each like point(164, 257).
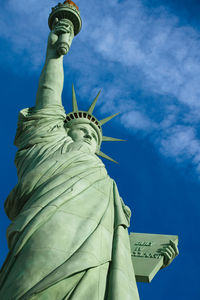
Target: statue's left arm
point(169, 252)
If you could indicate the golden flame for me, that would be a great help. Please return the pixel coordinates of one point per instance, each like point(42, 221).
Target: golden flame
point(71, 3)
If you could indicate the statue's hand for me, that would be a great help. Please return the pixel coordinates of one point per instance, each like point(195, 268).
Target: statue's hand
point(61, 27)
point(169, 251)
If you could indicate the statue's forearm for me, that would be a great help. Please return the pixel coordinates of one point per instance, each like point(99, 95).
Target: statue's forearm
point(52, 76)
point(51, 82)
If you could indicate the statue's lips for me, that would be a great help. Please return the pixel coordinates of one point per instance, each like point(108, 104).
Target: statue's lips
point(87, 141)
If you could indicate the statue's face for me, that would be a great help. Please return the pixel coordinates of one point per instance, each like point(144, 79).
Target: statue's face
point(84, 133)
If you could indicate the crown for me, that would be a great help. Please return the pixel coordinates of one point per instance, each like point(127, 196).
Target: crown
point(78, 116)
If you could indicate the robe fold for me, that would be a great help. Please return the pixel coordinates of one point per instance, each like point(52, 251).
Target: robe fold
point(68, 238)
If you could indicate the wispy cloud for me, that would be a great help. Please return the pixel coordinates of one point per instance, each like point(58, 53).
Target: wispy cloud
point(22, 25)
point(146, 62)
point(183, 144)
point(137, 121)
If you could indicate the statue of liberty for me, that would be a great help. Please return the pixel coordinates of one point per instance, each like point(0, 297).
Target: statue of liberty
point(68, 238)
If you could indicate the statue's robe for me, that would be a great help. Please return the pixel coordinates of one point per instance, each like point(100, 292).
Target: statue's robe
point(68, 238)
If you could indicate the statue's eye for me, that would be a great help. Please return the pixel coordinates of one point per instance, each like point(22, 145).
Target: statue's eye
point(82, 129)
point(94, 136)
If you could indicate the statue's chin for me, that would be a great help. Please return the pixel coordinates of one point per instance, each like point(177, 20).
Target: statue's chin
point(81, 146)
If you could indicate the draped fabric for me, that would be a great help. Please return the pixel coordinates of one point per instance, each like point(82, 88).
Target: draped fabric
point(68, 237)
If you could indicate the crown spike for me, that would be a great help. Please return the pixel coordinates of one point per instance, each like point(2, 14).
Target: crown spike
point(106, 157)
point(102, 122)
point(74, 101)
point(111, 139)
point(90, 110)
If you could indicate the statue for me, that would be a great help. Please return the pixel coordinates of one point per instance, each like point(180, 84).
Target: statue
point(68, 238)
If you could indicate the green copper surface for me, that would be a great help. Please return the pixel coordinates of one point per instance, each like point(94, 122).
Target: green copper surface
point(92, 106)
point(69, 233)
point(68, 237)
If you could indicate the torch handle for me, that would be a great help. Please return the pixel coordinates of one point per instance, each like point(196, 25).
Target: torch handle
point(63, 44)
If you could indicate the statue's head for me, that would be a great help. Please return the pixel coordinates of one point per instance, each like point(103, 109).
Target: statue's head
point(83, 126)
point(83, 132)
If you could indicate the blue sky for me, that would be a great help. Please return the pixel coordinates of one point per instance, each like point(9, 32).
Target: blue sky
point(145, 56)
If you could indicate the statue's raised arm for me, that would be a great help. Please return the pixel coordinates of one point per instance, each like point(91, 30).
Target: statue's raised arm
point(52, 76)
point(64, 22)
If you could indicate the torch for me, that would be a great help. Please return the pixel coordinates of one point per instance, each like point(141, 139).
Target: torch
point(69, 12)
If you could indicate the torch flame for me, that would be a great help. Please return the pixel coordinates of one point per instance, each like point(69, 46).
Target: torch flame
point(71, 3)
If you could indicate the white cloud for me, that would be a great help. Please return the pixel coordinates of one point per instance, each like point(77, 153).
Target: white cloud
point(166, 53)
point(182, 143)
point(136, 120)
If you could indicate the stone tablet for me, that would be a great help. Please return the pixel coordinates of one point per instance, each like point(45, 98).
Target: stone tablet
point(146, 257)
